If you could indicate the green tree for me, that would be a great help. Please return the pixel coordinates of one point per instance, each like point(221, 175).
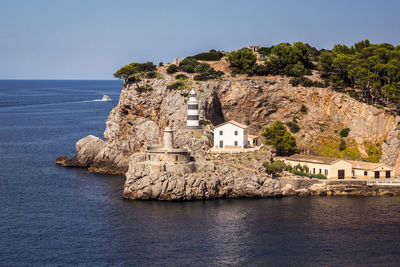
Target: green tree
point(277, 136)
point(325, 63)
point(298, 69)
point(172, 69)
point(126, 71)
point(241, 61)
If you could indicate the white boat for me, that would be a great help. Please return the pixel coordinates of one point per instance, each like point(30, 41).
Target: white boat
point(106, 98)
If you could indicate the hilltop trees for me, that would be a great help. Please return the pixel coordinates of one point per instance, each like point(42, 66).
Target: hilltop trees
point(134, 71)
point(242, 61)
point(211, 55)
point(372, 69)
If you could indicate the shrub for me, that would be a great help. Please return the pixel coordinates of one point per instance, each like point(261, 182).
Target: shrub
point(374, 152)
point(210, 74)
point(344, 132)
point(144, 88)
point(202, 68)
point(296, 81)
point(274, 168)
point(303, 109)
point(299, 173)
point(179, 85)
point(212, 55)
point(188, 64)
point(172, 69)
point(181, 77)
point(293, 126)
point(318, 176)
point(151, 75)
point(342, 145)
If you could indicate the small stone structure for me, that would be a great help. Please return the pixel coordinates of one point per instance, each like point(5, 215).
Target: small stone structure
point(253, 48)
point(167, 152)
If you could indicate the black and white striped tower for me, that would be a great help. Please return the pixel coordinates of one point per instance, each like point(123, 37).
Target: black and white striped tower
point(192, 121)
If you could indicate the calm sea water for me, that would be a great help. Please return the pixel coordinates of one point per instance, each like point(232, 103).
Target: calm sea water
point(55, 216)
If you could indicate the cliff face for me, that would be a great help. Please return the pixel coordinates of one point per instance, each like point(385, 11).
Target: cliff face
point(139, 118)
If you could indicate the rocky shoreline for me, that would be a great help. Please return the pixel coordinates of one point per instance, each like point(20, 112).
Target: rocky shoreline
point(216, 176)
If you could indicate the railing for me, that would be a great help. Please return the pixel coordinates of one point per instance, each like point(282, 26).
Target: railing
point(394, 182)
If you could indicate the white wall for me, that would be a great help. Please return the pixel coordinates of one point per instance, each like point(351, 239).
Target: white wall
point(229, 137)
point(332, 169)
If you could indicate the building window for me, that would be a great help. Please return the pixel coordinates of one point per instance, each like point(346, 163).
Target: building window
point(236, 132)
point(387, 174)
point(365, 173)
point(220, 132)
point(326, 172)
point(313, 171)
point(320, 171)
point(236, 143)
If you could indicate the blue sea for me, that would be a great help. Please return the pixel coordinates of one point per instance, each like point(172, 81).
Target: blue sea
point(56, 216)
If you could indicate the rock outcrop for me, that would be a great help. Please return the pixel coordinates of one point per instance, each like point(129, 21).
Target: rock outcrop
point(140, 117)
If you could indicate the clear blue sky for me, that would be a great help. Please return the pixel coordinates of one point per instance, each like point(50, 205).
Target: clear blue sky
point(90, 39)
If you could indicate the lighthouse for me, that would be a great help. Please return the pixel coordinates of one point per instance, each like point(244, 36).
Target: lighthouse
point(192, 121)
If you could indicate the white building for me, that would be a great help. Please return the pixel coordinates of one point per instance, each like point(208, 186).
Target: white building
point(230, 134)
point(369, 170)
point(192, 120)
point(332, 168)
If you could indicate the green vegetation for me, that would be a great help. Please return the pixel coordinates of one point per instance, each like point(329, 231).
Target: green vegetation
point(134, 71)
point(274, 168)
point(303, 109)
point(181, 77)
point(342, 145)
point(291, 60)
point(374, 152)
point(144, 88)
point(277, 136)
point(204, 70)
point(338, 149)
point(374, 69)
point(211, 55)
point(296, 81)
point(172, 69)
point(293, 126)
point(181, 84)
point(242, 61)
point(277, 167)
point(344, 132)
point(188, 64)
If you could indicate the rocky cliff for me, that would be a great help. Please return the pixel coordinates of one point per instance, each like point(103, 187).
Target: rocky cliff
point(139, 118)
point(141, 115)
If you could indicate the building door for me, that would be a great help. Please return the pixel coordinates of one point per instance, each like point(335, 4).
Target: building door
point(221, 144)
point(387, 174)
point(340, 174)
point(377, 175)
